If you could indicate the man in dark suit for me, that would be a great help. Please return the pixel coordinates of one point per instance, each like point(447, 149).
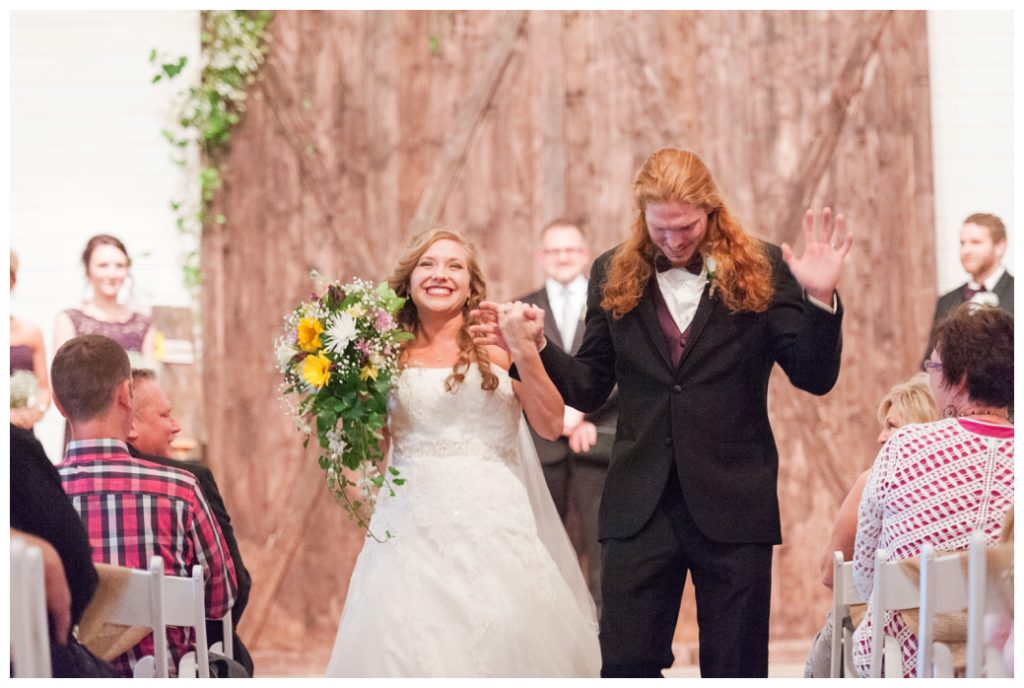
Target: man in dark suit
point(576, 463)
point(688, 317)
point(982, 246)
point(153, 430)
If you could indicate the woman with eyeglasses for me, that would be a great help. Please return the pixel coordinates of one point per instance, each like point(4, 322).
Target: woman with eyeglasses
point(937, 483)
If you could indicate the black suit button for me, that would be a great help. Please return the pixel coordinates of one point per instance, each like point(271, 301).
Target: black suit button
point(677, 389)
point(668, 441)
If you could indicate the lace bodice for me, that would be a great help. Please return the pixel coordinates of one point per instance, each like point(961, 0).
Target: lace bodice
point(130, 334)
point(429, 423)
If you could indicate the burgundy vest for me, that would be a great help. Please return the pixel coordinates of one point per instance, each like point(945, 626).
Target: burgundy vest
point(675, 339)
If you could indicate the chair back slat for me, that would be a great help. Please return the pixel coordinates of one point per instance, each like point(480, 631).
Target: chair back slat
point(30, 634)
point(893, 589)
point(844, 593)
point(153, 600)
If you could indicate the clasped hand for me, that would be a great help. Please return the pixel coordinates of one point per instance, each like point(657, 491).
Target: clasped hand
point(511, 326)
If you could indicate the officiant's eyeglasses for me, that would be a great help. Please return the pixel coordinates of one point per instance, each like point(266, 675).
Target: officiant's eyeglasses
point(930, 365)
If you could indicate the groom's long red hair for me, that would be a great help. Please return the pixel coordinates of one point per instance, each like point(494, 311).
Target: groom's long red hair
point(743, 275)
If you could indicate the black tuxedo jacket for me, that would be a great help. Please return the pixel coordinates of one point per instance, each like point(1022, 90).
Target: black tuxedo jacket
point(709, 414)
point(208, 485)
point(952, 299)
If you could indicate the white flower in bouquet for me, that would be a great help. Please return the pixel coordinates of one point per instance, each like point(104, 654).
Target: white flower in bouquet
point(285, 353)
point(341, 330)
point(24, 388)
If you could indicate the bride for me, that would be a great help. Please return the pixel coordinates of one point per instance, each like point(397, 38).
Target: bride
point(480, 578)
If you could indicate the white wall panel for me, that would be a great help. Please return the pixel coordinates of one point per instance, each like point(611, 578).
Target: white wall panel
point(971, 65)
point(87, 157)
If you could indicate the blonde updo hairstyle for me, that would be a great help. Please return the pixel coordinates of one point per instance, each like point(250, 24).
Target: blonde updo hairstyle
point(408, 317)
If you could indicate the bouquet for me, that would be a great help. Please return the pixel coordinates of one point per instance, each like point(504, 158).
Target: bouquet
point(24, 388)
point(339, 357)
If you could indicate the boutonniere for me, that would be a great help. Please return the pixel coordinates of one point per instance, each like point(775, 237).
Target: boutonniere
point(986, 298)
point(712, 266)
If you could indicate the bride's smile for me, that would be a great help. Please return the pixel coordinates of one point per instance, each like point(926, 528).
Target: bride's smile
point(440, 280)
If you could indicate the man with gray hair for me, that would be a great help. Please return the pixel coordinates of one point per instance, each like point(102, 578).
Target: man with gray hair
point(132, 509)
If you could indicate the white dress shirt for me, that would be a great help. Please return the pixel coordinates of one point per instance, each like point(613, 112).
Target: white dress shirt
point(568, 302)
point(682, 290)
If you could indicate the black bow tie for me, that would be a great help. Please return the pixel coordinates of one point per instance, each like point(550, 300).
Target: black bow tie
point(694, 265)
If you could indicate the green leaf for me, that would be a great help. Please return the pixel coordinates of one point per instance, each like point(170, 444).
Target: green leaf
point(174, 69)
point(398, 481)
point(392, 470)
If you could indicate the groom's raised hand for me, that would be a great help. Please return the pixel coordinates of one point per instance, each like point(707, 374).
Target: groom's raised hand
point(817, 270)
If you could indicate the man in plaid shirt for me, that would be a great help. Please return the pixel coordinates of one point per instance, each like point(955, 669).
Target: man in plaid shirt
point(131, 508)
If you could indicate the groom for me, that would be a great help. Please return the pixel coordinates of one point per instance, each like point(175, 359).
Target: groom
point(689, 316)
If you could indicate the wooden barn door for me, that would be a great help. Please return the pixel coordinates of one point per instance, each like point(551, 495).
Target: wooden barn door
point(369, 126)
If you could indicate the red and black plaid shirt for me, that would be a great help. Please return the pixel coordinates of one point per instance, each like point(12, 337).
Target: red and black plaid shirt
point(133, 509)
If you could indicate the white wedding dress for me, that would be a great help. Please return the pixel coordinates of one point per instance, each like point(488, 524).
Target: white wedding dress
point(479, 578)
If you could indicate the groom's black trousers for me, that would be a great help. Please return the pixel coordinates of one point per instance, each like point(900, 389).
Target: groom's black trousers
point(643, 584)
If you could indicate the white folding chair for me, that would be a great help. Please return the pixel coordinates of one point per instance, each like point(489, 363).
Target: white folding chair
point(982, 598)
point(185, 605)
point(30, 635)
point(227, 646)
point(844, 593)
point(943, 590)
point(153, 600)
point(893, 590)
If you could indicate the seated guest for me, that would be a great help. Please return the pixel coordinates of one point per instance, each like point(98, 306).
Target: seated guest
point(132, 509)
point(42, 515)
point(153, 430)
point(938, 482)
point(907, 402)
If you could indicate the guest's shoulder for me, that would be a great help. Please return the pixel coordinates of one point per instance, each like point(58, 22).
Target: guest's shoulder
point(167, 468)
point(953, 294)
point(533, 296)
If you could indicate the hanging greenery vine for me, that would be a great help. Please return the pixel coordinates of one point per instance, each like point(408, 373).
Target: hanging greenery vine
point(234, 44)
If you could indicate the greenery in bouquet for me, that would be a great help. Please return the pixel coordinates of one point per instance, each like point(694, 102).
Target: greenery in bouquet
point(339, 357)
point(24, 388)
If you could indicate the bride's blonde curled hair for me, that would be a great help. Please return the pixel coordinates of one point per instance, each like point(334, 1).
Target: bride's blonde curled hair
point(408, 317)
